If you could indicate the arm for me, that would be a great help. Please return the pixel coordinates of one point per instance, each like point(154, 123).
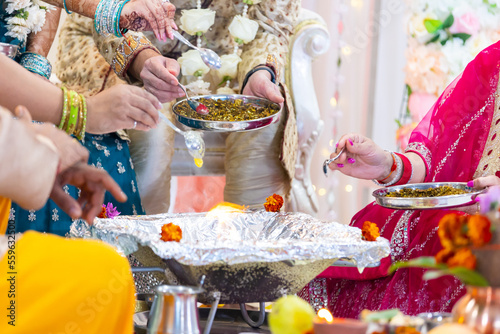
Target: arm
point(41, 42)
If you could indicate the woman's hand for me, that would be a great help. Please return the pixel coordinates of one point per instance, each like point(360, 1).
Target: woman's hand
point(484, 182)
point(259, 84)
point(159, 75)
point(362, 158)
point(122, 107)
point(93, 184)
point(149, 15)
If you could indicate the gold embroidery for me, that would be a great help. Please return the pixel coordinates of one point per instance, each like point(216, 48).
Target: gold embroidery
point(126, 52)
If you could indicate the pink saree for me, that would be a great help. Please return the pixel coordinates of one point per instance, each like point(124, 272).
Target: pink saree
point(453, 139)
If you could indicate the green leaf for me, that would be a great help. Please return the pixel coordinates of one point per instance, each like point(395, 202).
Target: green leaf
point(398, 123)
point(408, 90)
point(448, 22)
point(419, 262)
point(339, 62)
point(432, 25)
point(463, 36)
point(381, 315)
point(433, 39)
point(226, 78)
point(198, 73)
point(469, 277)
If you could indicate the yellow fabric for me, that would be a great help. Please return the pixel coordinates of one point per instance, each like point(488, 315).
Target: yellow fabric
point(67, 286)
point(4, 214)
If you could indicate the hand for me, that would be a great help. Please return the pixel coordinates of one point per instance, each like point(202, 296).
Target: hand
point(147, 15)
point(485, 182)
point(362, 158)
point(259, 84)
point(159, 75)
point(93, 183)
point(69, 149)
point(120, 107)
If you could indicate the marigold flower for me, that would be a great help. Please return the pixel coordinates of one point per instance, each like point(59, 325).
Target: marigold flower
point(370, 231)
point(103, 212)
point(452, 231)
point(171, 232)
point(444, 255)
point(273, 203)
point(406, 330)
point(108, 211)
point(463, 258)
point(479, 230)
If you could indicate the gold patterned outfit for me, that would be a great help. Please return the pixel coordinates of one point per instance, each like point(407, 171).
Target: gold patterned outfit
point(257, 163)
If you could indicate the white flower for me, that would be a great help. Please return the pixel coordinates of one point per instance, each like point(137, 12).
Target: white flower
point(36, 18)
point(225, 91)
point(192, 64)
point(17, 31)
point(229, 66)
point(16, 5)
point(197, 20)
point(243, 29)
point(198, 87)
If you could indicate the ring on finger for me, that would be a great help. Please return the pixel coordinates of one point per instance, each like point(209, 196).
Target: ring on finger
point(135, 125)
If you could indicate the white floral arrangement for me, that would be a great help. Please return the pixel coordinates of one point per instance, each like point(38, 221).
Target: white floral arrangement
point(443, 37)
point(25, 17)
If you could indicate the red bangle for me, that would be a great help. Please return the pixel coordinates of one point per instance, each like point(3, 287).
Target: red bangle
point(407, 170)
point(393, 168)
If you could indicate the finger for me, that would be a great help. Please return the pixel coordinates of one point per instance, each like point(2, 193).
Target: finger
point(166, 71)
point(102, 177)
point(484, 182)
point(164, 96)
point(137, 125)
point(155, 15)
point(67, 203)
point(23, 114)
point(94, 204)
point(153, 80)
point(272, 92)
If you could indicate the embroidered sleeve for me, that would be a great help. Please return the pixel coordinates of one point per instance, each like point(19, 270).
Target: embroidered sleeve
point(423, 152)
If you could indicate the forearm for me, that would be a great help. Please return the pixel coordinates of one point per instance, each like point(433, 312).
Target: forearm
point(41, 42)
point(137, 64)
point(417, 169)
point(43, 99)
point(84, 7)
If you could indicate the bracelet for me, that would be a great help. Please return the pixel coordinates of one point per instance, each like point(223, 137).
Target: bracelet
point(82, 119)
point(393, 168)
point(119, 32)
point(398, 172)
point(65, 107)
point(107, 17)
point(407, 170)
point(36, 63)
point(66, 8)
point(74, 106)
point(255, 69)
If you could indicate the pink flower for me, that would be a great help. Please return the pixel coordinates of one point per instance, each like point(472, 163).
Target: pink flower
point(419, 104)
point(403, 135)
point(111, 211)
point(467, 23)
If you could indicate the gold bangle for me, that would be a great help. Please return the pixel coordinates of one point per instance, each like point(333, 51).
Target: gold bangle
point(65, 107)
point(81, 134)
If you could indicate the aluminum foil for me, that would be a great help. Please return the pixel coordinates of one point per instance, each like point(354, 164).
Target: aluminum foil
point(239, 237)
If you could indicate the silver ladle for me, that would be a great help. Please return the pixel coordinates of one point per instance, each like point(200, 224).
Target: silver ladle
point(209, 57)
point(200, 108)
point(194, 142)
point(329, 161)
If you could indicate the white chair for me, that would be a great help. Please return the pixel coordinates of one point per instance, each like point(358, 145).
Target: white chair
point(310, 40)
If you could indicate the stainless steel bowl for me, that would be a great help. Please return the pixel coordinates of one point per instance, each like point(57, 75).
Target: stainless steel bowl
point(417, 203)
point(434, 319)
point(226, 126)
point(9, 50)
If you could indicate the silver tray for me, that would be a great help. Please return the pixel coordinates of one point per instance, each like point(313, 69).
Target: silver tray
point(417, 203)
point(226, 126)
point(9, 50)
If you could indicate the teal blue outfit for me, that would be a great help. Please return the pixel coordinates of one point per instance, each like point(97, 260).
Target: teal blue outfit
point(108, 152)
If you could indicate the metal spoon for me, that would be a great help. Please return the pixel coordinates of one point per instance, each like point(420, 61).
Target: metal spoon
point(329, 161)
point(209, 57)
point(194, 142)
point(200, 108)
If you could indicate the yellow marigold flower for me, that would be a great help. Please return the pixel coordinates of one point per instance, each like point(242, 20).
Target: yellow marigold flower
point(479, 230)
point(171, 232)
point(451, 231)
point(406, 330)
point(444, 255)
point(370, 231)
point(273, 203)
point(463, 258)
point(103, 213)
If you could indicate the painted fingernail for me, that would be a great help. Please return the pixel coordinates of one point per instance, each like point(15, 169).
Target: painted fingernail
point(350, 142)
point(337, 145)
point(340, 165)
point(470, 184)
point(351, 160)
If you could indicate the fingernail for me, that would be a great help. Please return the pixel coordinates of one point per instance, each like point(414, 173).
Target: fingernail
point(350, 142)
point(477, 199)
point(340, 165)
point(470, 184)
point(337, 145)
point(74, 213)
point(160, 106)
point(351, 160)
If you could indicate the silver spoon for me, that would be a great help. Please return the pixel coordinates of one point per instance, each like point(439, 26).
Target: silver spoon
point(209, 57)
point(200, 108)
point(329, 161)
point(194, 142)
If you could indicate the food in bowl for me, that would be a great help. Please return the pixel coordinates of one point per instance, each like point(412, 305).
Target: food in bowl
point(429, 192)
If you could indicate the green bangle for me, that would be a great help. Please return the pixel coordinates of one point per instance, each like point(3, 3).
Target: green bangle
point(66, 8)
point(74, 105)
point(65, 107)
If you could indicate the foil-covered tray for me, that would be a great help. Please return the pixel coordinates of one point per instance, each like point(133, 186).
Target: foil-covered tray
point(10, 50)
point(418, 203)
point(227, 126)
point(252, 256)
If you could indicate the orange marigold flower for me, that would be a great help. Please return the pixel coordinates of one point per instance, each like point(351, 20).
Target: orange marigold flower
point(103, 213)
point(406, 330)
point(451, 231)
point(463, 258)
point(273, 203)
point(479, 230)
point(171, 232)
point(370, 231)
point(444, 255)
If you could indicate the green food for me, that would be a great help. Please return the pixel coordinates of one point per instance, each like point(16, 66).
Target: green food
point(430, 192)
point(226, 110)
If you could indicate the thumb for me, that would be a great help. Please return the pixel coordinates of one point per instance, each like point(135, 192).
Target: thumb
point(22, 114)
point(273, 93)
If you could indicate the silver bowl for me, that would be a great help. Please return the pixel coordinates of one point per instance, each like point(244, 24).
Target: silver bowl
point(417, 203)
point(9, 50)
point(227, 126)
